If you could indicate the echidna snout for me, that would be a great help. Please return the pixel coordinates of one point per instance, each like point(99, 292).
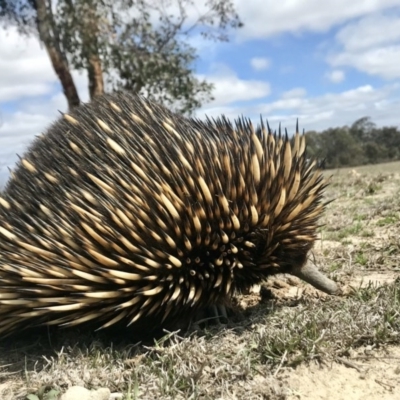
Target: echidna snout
point(124, 211)
point(311, 275)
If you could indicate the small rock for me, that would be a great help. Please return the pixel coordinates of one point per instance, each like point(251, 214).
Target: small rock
point(81, 393)
point(100, 394)
point(76, 392)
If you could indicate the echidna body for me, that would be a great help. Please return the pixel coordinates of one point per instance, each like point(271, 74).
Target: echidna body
point(124, 211)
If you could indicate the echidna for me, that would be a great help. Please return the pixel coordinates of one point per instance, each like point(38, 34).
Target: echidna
point(124, 211)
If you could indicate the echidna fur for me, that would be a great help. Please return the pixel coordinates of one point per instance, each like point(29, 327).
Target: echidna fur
point(124, 211)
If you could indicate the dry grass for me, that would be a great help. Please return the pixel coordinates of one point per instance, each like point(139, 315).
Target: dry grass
point(283, 326)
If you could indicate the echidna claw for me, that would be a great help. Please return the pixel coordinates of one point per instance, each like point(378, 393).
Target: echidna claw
point(215, 314)
point(218, 313)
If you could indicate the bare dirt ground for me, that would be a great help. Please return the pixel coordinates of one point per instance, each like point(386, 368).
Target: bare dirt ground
point(288, 341)
point(362, 231)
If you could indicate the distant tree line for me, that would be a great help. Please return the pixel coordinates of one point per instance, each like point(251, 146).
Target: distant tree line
point(361, 143)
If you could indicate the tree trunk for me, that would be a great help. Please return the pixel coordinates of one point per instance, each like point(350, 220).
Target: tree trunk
point(89, 30)
point(95, 75)
point(48, 35)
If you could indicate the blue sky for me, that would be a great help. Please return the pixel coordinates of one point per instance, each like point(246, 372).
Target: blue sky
point(327, 63)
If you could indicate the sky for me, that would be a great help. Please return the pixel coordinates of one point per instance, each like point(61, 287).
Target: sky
point(327, 63)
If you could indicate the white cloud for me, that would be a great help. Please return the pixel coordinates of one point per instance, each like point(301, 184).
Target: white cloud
point(293, 93)
point(370, 45)
point(26, 76)
point(25, 67)
point(17, 129)
point(349, 99)
point(17, 132)
point(370, 31)
point(336, 76)
point(20, 91)
point(383, 62)
point(229, 88)
point(26, 70)
point(260, 63)
point(323, 111)
point(265, 18)
point(337, 109)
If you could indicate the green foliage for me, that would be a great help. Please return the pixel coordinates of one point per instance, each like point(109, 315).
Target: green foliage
point(138, 45)
point(362, 143)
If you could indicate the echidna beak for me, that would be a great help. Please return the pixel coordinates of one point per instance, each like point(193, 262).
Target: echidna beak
point(310, 274)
